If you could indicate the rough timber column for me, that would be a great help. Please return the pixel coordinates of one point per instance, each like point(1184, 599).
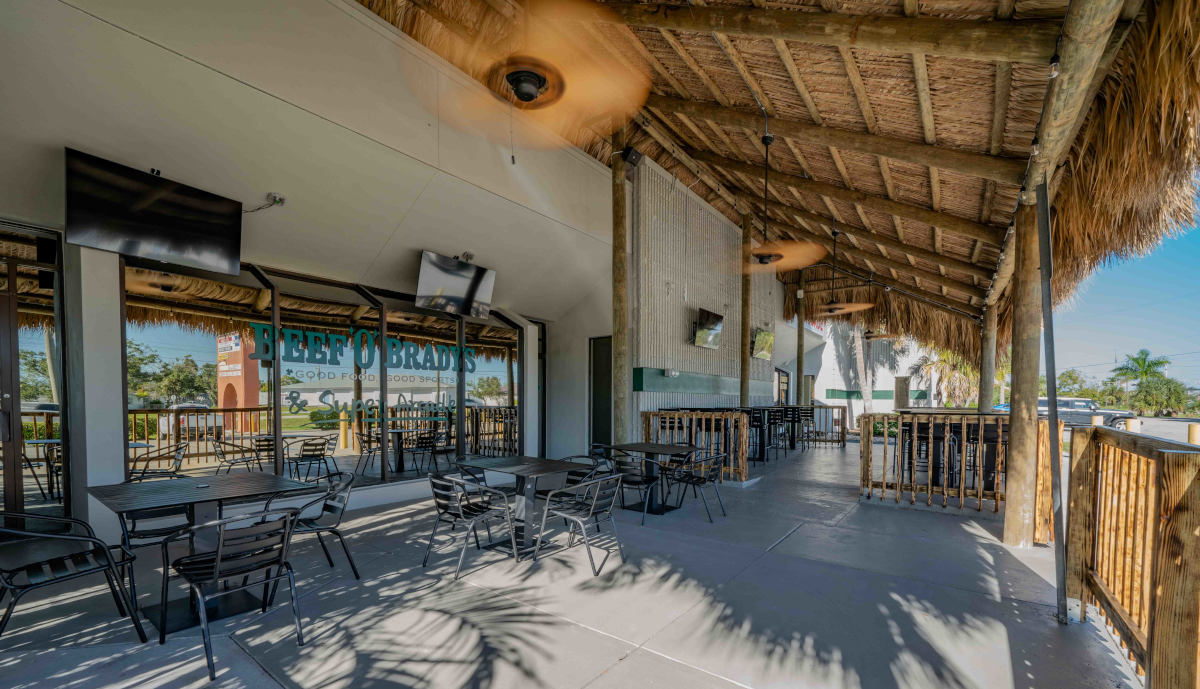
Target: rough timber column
point(800, 316)
point(622, 379)
point(987, 359)
point(1021, 461)
point(744, 356)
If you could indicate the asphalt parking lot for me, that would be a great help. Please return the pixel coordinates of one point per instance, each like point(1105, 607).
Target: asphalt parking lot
point(1169, 428)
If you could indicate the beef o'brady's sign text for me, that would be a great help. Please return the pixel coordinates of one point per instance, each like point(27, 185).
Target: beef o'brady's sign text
point(359, 347)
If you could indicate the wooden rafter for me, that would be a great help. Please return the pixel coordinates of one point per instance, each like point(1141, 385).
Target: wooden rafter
point(1030, 41)
point(950, 223)
point(1007, 170)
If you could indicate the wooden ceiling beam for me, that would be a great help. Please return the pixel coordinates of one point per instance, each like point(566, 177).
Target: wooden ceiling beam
point(935, 257)
point(1086, 34)
point(1007, 170)
point(934, 299)
point(904, 268)
point(949, 223)
point(1031, 41)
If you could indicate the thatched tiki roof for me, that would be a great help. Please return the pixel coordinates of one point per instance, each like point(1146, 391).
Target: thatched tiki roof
point(908, 125)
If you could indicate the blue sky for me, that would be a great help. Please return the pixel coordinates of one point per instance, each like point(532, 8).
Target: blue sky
point(1147, 302)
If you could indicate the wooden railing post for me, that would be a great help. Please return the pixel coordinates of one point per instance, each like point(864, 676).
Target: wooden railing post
point(1081, 522)
point(1175, 615)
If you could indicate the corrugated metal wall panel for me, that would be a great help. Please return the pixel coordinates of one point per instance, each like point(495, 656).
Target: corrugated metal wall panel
point(686, 257)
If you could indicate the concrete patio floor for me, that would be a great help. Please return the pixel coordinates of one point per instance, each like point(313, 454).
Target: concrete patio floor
point(800, 586)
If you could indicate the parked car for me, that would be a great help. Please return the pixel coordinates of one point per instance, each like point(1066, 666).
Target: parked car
point(193, 424)
point(1080, 410)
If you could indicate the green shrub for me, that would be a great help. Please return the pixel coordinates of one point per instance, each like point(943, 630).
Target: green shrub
point(877, 429)
point(144, 426)
point(29, 431)
point(322, 418)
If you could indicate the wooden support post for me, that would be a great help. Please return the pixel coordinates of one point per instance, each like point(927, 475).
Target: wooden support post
point(900, 400)
point(1021, 466)
point(1081, 523)
point(800, 318)
point(987, 359)
point(622, 383)
point(1175, 618)
point(1194, 433)
point(508, 357)
point(744, 355)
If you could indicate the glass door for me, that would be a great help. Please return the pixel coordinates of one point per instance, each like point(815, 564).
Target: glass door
point(33, 471)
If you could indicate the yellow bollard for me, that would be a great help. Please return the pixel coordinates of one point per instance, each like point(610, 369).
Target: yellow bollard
point(344, 430)
point(1097, 419)
point(1194, 433)
point(1133, 425)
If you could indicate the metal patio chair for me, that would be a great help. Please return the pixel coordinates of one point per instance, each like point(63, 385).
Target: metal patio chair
point(699, 473)
point(247, 545)
point(174, 452)
point(368, 450)
point(634, 476)
point(464, 502)
point(313, 452)
point(82, 555)
point(583, 505)
point(230, 455)
point(327, 517)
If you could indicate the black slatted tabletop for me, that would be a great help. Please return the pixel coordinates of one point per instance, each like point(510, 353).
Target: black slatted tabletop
point(668, 449)
point(524, 467)
point(128, 497)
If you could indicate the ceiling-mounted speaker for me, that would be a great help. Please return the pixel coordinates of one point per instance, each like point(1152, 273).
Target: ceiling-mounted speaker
point(632, 156)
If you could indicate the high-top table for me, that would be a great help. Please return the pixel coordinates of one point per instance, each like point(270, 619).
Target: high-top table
point(203, 495)
point(527, 471)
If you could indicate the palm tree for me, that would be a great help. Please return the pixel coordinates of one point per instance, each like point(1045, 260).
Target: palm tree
point(1141, 367)
point(955, 377)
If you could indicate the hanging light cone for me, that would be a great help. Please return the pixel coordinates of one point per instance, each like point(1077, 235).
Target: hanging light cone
point(556, 75)
point(776, 257)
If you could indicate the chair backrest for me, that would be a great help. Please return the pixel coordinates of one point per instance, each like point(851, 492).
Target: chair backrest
point(709, 467)
point(264, 445)
point(246, 544)
point(448, 493)
point(603, 493)
point(175, 451)
point(626, 464)
point(313, 448)
point(425, 440)
point(367, 441)
point(333, 502)
point(589, 467)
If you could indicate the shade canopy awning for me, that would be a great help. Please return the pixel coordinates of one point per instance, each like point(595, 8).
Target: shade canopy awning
point(908, 127)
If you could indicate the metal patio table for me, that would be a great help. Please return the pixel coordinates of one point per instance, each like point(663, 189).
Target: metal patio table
point(527, 471)
point(203, 495)
point(654, 451)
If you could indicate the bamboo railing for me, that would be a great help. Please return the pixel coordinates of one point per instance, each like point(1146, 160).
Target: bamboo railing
point(493, 431)
point(822, 425)
point(714, 432)
point(198, 427)
point(1133, 546)
point(938, 466)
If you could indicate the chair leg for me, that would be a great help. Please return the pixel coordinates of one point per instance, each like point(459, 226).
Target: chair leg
point(268, 593)
point(719, 500)
point(463, 553)
point(429, 547)
point(616, 536)
point(706, 511)
point(588, 547)
point(208, 654)
point(349, 558)
point(291, 577)
point(8, 611)
point(162, 611)
point(646, 503)
point(328, 558)
point(128, 602)
point(537, 545)
point(112, 587)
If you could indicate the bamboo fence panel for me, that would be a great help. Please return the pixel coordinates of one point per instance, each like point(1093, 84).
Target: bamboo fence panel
point(899, 461)
point(1134, 547)
point(714, 432)
point(160, 428)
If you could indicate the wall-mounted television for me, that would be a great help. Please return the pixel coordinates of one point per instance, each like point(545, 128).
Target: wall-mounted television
point(454, 286)
point(708, 329)
point(762, 343)
point(117, 208)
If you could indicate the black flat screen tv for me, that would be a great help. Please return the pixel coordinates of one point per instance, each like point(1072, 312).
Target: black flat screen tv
point(454, 286)
point(708, 329)
point(117, 208)
point(762, 344)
